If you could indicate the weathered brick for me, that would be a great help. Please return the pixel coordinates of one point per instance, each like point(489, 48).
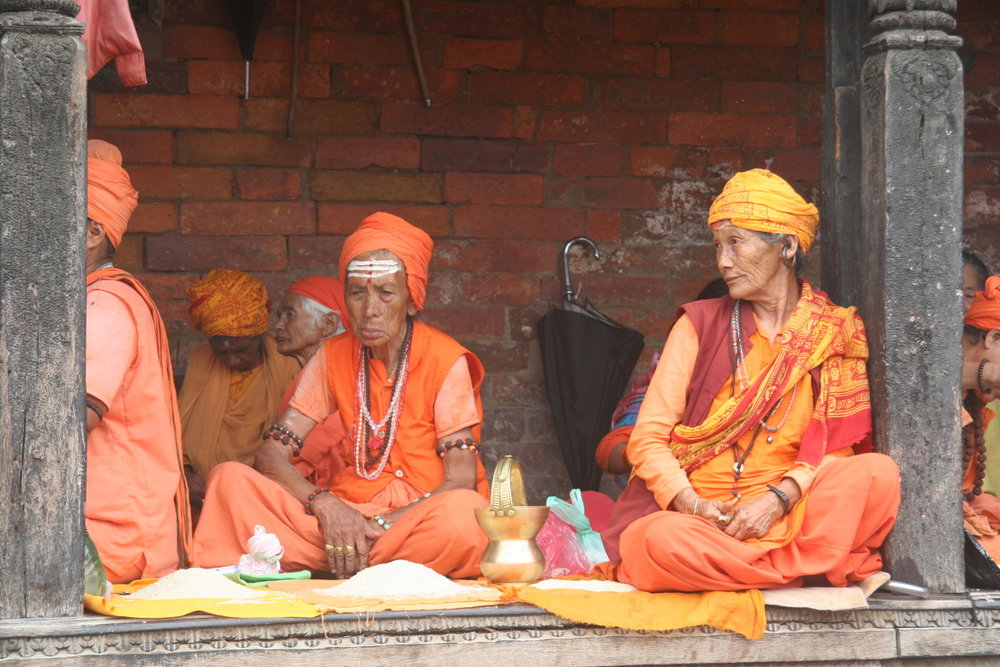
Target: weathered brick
point(189, 42)
point(397, 84)
point(169, 182)
point(588, 159)
point(812, 68)
point(666, 26)
point(169, 78)
point(334, 117)
point(139, 146)
point(794, 164)
point(615, 193)
point(516, 254)
point(814, 34)
point(451, 121)
point(588, 57)
point(624, 290)
point(267, 79)
point(603, 127)
point(759, 5)
point(640, 94)
point(478, 19)
point(505, 289)
point(129, 254)
point(984, 71)
point(982, 104)
point(725, 129)
point(370, 186)
point(269, 184)
point(981, 170)
point(525, 123)
point(756, 28)
point(810, 133)
point(196, 11)
point(978, 35)
point(565, 23)
point(204, 253)
point(724, 162)
point(513, 189)
point(248, 218)
point(982, 137)
point(466, 53)
point(153, 218)
point(663, 61)
point(176, 111)
point(735, 63)
point(482, 155)
point(983, 202)
point(316, 253)
point(353, 15)
point(668, 161)
point(468, 321)
point(518, 222)
point(647, 4)
point(314, 80)
point(811, 101)
point(759, 96)
point(529, 89)
point(265, 114)
point(345, 218)
point(501, 356)
point(164, 286)
point(274, 46)
point(242, 148)
point(364, 48)
point(604, 225)
point(361, 152)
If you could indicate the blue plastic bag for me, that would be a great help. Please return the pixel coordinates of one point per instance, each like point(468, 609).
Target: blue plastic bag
point(572, 513)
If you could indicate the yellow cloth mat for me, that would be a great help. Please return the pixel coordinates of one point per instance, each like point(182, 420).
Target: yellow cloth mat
point(741, 612)
point(273, 605)
point(480, 595)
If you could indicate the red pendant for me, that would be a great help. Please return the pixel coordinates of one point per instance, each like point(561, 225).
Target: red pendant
point(375, 444)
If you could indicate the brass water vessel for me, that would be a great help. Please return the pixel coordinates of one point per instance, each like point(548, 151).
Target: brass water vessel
point(511, 525)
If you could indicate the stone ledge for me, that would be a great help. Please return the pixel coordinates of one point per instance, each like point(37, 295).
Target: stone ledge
point(894, 631)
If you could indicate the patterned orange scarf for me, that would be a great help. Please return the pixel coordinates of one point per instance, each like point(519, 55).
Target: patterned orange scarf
point(818, 334)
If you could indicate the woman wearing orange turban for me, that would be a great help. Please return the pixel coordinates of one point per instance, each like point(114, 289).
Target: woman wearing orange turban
point(234, 383)
point(408, 398)
point(744, 473)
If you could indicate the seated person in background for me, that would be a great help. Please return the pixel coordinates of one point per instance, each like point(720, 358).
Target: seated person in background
point(610, 453)
point(137, 504)
point(744, 472)
point(980, 379)
point(234, 383)
point(408, 396)
point(311, 311)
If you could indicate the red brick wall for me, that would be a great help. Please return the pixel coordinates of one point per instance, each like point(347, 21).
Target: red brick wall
point(618, 119)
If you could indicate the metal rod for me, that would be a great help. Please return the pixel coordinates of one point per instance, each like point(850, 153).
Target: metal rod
point(246, 79)
point(415, 47)
point(892, 586)
point(568, 293)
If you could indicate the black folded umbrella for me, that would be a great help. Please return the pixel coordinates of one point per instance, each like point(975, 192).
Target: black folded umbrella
point(588, 359)
point(247, 16)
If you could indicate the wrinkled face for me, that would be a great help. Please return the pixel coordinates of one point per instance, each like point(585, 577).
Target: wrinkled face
point(238, 354)
point(295, 331)
point(970, 285)
point(378, 305)
point(749, 264)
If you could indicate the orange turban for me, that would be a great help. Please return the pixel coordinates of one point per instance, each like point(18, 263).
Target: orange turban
point(384, 231)
point(110, 195)
point(325, 290)
point(765, 202)
point(229, 303)
point(984, 313)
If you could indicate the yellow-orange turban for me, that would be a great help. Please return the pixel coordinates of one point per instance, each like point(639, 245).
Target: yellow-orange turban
point(384, 231)
point(765, 202)
point(229, 303)
point(984, 313)
point(111, 199)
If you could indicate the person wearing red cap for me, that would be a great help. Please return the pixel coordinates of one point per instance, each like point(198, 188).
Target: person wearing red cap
point(137, 502)
point(408, 398)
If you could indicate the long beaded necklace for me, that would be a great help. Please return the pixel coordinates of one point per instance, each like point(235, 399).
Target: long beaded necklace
point(974, 444)
point(373, 441)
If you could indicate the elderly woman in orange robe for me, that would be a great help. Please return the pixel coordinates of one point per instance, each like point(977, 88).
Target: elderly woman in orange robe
point(745, 473)
point(408, 398)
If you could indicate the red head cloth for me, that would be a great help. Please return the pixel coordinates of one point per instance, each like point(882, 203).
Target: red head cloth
point(384, 231)
point(325, 290)
point(229, 303)
point(110, 195)
point(984, 313)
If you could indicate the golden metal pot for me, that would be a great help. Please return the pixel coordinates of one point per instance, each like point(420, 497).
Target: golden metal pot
point(511, 525)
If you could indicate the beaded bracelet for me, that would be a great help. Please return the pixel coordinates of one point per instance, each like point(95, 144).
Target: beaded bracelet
point(284, 436)
point(782, 496)
point(312, 496)
point(468, 445)
point(979, 377)
point(382, 523)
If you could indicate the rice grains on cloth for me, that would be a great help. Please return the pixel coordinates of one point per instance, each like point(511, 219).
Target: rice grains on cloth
point(196, 583)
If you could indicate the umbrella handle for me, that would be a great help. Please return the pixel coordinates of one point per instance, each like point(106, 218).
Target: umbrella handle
point(568, 293)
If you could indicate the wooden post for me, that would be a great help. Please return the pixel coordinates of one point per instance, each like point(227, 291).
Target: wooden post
point(42, 215)
point(908, 274)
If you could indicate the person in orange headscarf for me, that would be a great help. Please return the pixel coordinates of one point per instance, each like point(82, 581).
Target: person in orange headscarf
point(234, 383)
point(311, 311)
point(981, 382)
point(744, 467)
point(136, 509)
point(408, 398)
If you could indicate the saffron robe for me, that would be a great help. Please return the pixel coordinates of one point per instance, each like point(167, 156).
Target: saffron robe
point(137, 509)
point(981, 515)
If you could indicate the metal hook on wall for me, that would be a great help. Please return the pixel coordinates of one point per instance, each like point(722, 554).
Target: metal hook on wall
point(568, 293)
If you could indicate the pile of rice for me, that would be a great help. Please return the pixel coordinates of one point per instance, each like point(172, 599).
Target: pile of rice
point(195, 583)
point(399, 579)
point(593, 585)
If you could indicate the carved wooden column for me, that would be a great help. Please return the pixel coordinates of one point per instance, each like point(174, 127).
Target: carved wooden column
point(909, 271)
point(42, 215)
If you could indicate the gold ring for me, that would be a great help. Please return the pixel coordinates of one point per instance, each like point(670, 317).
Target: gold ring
point(329, 548)
point(725, 518)
point(349, 548)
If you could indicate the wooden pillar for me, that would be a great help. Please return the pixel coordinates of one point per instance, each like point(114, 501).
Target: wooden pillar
point(42, 215)
point(908, 274)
